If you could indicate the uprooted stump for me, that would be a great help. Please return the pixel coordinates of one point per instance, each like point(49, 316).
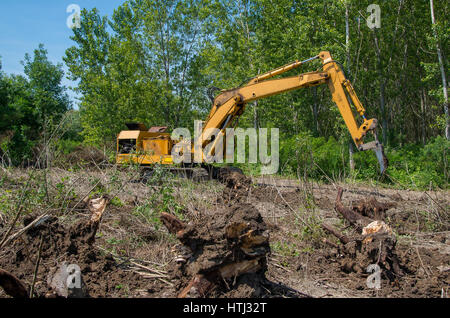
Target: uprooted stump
point(233, 178)
point(225, 254)
point(221, 252)
point(237, 185)
point(67, 252)
point(371, 208)
point(376, 242)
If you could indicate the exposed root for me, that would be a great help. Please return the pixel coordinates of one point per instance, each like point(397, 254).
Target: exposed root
point(65, 251)
point(376, 243)
point(12, 285)
point(357, 220)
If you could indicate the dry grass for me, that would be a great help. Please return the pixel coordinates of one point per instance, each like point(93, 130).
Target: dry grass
point(131, 231)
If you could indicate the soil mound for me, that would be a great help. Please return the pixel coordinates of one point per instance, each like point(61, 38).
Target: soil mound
point(224, 254)
point(60, 247)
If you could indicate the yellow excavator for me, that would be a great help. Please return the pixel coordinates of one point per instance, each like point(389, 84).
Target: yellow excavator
point(149, 147)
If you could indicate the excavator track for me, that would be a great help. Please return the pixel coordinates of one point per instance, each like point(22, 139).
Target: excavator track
point(196, 173)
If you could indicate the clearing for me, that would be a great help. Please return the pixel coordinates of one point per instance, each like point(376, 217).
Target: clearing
point(238, 237)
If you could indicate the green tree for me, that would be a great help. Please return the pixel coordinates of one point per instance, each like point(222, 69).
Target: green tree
point(30, 105)
point(158, 58)
point(48, 95)
point(142, 71)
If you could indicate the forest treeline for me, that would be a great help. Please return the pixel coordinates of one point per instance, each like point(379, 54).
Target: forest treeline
point(153, 61)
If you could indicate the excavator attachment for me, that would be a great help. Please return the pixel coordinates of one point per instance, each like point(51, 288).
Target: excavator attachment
point(381, 157)
point(378, 148)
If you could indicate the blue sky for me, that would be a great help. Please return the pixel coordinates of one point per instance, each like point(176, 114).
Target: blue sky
point(26, 23)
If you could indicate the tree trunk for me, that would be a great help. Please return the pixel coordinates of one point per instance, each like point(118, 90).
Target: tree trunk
point(385, 69)
point(347, 49)
point(342, 237)
point(350, 156)
point(422, 108)
point(444, 78)
point(255, 115)
point(12, 285)
point(315, 112)
point(383, 111)
point(347, 38)
point(356, 219)
point(382, 88)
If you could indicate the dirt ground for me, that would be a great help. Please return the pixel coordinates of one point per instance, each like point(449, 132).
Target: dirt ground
point(133, 254)
point(419, 219)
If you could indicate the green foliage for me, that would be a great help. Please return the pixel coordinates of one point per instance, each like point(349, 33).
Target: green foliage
point(30, 106)
point(44, 82)
point(152, 62)
point(312, 157)
point(67, 146)
point(169, 203)
point(422, 167)
point(148, 213)
point(161, 200)
point(285, 249)
point(411, 165)
point(116, 202)
point(141, 71)
point(5, 204)
point(63, 191)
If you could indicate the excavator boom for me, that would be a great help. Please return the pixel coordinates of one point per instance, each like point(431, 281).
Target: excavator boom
point(230, 104)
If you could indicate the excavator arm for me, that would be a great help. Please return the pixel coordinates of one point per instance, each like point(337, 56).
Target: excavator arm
point(230, 104)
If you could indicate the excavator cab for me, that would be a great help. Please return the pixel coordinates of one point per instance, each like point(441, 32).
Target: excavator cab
point(144, 146)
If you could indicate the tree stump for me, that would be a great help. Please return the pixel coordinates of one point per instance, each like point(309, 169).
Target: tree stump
point(222, 248)
point(376, 242)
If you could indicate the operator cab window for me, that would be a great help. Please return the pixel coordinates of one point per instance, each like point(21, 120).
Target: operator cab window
point(127, 145)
